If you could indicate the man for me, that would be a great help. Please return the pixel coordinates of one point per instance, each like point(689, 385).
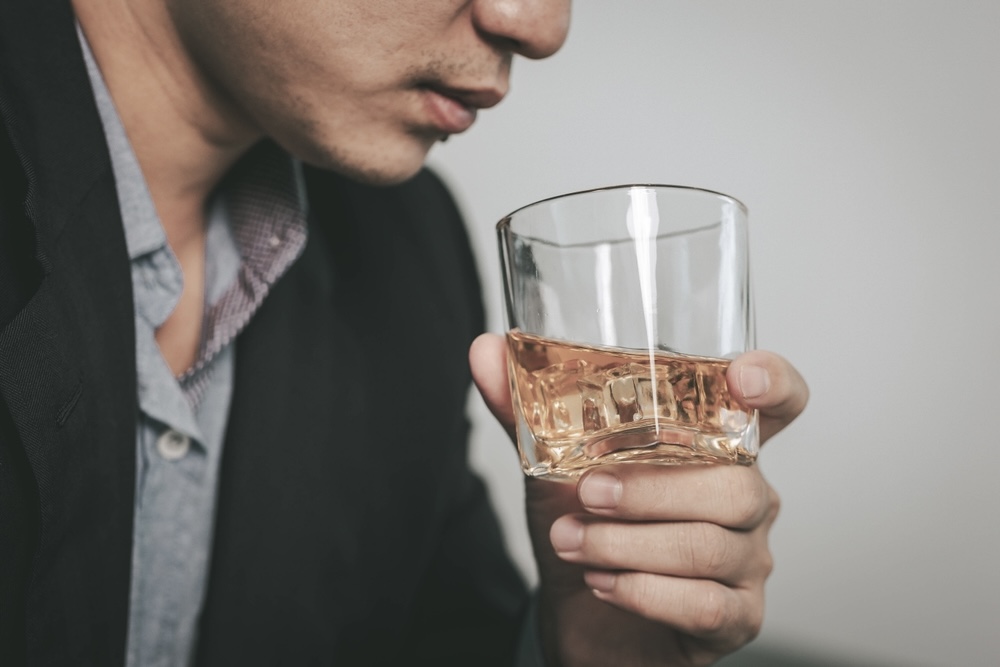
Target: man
point(231, 386)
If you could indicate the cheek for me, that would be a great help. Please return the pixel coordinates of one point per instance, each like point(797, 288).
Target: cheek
point(331, 90)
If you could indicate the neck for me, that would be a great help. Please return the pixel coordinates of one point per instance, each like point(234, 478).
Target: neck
point(184, 132)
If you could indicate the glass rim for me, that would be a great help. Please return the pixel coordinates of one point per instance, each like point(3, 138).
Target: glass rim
point(504, 222)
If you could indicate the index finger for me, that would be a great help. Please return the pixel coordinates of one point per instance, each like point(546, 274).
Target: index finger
point(733, 496)
point(767, 382)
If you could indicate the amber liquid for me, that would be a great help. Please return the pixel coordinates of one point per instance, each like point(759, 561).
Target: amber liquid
point(579, 406)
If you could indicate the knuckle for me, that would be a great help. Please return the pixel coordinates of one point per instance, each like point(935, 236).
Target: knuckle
point(646, 598)
point(749, 497)
point(774, 503)
point(714, 554)
point(794, 393)
point(687, 552)
point(710, 613)
point(767, 563)
point(603, 543)
point(755, 622)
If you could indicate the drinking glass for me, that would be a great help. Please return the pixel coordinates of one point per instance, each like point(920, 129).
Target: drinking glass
point(624, 307)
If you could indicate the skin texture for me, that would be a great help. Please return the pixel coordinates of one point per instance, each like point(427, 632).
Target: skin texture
point(356, 86)
point(350, 95)
point(672, 571)
point(653, 565)
point(342, 84)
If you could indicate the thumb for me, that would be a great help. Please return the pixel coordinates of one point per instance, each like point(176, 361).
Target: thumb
point(488, 362)
point(769, 383)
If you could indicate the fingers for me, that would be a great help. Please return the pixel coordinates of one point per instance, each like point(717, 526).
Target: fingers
point(688, 521)
point(488, 362)
point(732, 496)
point(685, 546)
point(767, 382)
point(689, 549)
point(707, 522)
point(700, 608)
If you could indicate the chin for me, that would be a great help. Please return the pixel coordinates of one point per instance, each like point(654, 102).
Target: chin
point(370, 175)
point(374, 163)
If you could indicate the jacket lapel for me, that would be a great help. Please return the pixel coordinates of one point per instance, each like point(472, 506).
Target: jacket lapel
point(67, 358)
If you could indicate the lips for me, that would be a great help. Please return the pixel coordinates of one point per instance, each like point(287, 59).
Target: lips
point(453, 110)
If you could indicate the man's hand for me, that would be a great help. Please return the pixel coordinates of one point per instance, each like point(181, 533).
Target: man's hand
point(646, 564)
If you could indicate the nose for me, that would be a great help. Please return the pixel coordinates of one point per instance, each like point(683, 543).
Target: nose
point(531, 28)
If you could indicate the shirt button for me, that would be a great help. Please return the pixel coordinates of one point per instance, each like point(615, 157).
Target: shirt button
point(172, 445)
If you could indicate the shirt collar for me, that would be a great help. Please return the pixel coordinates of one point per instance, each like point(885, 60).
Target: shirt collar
point(143, 231)
point(268, 190)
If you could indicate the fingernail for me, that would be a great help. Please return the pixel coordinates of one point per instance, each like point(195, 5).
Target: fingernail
point(754, 381)
point(601, 581)
point(601, 491)
point(566, 535)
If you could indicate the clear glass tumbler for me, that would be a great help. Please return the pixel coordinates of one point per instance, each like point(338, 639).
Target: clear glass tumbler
point(624, 307)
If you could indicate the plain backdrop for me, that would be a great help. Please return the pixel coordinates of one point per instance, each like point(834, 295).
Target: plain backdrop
point(863, 136)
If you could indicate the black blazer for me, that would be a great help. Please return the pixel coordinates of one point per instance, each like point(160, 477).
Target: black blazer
point(350, 529)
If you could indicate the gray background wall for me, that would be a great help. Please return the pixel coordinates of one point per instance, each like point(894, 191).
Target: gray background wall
point(863, 135)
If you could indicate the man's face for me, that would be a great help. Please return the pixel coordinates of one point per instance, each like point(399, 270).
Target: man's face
point(364, 87)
